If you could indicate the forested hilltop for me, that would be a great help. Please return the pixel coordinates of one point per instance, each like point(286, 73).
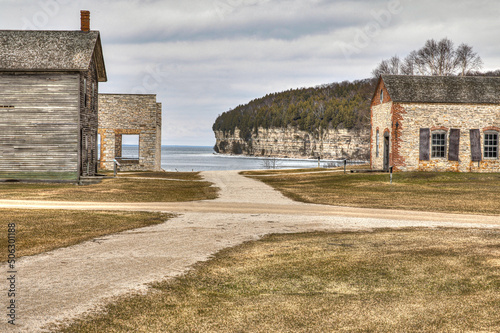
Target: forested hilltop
point(344, 105)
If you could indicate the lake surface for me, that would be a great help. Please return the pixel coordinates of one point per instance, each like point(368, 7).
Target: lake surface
point(189, 158)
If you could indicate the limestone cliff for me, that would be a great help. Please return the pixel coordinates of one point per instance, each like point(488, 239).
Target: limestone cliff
point(293, 143)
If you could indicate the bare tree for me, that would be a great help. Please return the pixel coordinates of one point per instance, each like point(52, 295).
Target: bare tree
point(434, 58)
point(446, 57)
point(409, 65)
point(271, 163)
point(467, 60)
point(390, 66)
point(427, 59)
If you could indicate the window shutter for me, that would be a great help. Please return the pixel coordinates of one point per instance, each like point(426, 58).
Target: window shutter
point(475, 145)
point(425, 134)
point(454, 144)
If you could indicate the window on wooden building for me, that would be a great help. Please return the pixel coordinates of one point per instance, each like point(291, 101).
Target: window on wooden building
point(92, 97)
point(85, 92)
point(491, 144)
point(438, 144)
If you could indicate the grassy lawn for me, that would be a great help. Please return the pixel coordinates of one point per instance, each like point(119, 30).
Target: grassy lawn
point(427, 191)
point(135, 187)
point(40, 231)
point(409, 280)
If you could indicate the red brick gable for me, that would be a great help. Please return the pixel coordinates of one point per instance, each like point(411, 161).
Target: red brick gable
point(376, 96)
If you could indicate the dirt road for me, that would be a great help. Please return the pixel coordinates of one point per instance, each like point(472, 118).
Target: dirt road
point(63, 284)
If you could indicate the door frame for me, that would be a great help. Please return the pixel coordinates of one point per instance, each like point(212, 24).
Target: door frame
point(386, 151)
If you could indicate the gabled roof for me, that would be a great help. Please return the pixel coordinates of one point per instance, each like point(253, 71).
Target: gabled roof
point(51, 51)
point(442, 89)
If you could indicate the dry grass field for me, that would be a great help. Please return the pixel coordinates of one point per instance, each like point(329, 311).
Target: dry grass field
point(426, 191)
point(39, 231)
point(135, 187)
point(410, 280)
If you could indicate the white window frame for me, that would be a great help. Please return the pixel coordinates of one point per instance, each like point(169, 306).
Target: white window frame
point(434, 145)
point(490, 145)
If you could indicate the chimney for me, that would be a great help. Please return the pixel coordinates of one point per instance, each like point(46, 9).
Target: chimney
point(85, 20)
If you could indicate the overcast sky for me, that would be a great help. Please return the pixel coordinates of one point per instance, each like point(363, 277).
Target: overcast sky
point(204, 57)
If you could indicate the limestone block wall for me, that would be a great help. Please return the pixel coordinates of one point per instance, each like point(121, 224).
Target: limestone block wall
point(122, 114)
point(445, 117)
point(293, 143)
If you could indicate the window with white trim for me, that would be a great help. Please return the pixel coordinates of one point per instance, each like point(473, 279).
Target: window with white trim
point(491, 144)
point(438, 144)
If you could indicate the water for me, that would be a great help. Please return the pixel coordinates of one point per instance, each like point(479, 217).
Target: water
point(183, 158)
point(189, 158)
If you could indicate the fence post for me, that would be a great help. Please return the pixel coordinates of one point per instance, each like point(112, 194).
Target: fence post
point(345, 165)
point(390, 170)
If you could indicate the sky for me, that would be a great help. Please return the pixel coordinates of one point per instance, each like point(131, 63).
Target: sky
point(204, 57)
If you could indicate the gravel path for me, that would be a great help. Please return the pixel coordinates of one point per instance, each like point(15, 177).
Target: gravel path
point(63, 284)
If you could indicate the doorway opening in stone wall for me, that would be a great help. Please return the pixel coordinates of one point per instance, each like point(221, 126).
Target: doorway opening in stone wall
point(386, 151)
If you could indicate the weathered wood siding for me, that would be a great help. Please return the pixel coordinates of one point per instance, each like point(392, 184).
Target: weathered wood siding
point(39, 116)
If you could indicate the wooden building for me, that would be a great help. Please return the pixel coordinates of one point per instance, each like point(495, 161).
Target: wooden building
point(49, 84)
point(436, 123)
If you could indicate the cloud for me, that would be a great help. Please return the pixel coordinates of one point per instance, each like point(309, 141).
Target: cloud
point(203, 57)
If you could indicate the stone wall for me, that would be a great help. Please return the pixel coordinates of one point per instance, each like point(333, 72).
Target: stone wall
point(121, 114)
point(403, 121)
point(293, 143)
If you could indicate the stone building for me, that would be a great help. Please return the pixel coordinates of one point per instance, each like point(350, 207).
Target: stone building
point(436, 123)
point(137, 115)
point(49, 83)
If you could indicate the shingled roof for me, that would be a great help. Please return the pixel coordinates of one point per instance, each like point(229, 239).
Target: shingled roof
point(51, 51)
point(443, 89)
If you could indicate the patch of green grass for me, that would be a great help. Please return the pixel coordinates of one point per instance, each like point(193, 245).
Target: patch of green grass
point(141, 189)
point(40, 231)
point(411, 280)
point(428, 191)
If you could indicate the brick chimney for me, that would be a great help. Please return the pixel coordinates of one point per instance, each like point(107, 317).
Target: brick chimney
point(85, 20)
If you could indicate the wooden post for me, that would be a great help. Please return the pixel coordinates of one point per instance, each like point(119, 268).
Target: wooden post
point(345, 166)
point(390, 170)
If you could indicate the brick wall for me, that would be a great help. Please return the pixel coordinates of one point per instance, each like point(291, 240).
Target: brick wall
point(122, 114)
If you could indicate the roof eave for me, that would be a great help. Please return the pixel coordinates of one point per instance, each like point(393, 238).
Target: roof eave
point(99, 60)
point(376, 89)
